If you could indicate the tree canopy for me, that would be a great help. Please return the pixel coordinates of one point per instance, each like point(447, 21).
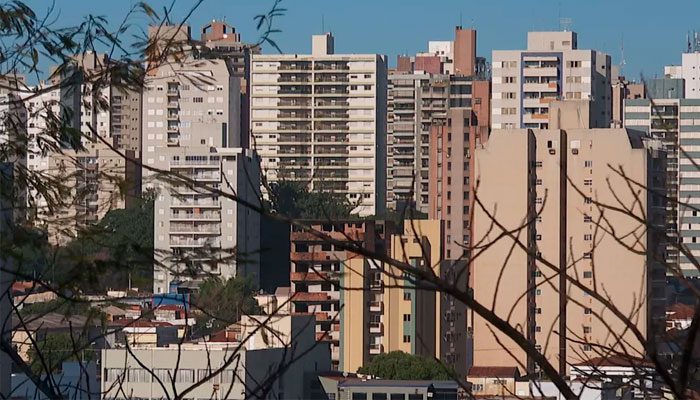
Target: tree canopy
point(222, 303)
point(294, 200)
point(404, 366)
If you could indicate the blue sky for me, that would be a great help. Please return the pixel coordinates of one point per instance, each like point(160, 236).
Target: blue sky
point(654, 32)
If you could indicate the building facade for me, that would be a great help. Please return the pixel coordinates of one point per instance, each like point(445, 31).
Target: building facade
point(551, 68)
point(673, 122)
point(546, 186)
point(321, 119)
point(191, 137)
point(318, 269)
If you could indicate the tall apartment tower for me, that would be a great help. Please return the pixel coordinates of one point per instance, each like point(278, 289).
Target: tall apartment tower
point(414, 98)
point(454, 137)
point(90, 98)
point(672, 121)
point(191, 129)
point(551, 68)
point(544, 186)
point(321, 119)
point(422, 91)
point(220, 40)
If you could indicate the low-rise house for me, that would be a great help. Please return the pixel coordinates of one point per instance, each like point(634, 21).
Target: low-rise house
point(340, 387)
point(487, 380)
point(286, 367)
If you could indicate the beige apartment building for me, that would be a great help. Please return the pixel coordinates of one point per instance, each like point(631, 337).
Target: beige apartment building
point(191, 129)
point(545, 185)
point(97, 178)
point(551, 68)
point(393, 313)
point(321, 119)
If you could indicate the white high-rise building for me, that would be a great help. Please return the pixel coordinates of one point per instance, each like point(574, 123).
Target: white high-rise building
point(321, 119)
point(191, 122)
point(551, 68)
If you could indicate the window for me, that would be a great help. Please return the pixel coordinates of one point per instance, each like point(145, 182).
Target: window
point(359, 396)
point(139, 375)
point(538, 329)
point(509, 95)
point(588, 274)
point(586, 329)
point(198, 100)
point(407, 318)
point(538, 292)
point(184, 375)
point(397, 396)
point(587, 311)
point(538, 182)
point(588, 164)
point(538, 310)
point(509, 79)
point(406, 338)
point(537, 273)
point(587, 347)
point(573, 64)
point(538, 237)
point(407, 296)
point(587, 200)
point(588, 237)
point(587, 218)
point(378, 396)
point(588, 255)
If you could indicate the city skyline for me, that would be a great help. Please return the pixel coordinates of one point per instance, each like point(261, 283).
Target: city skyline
point(601, 25)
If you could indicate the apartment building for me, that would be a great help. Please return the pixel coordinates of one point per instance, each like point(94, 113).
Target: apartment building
point(673, 122)
point(93, 181)
point(321, 119)
point(414, 99)
point(192, 131)
point(545, 187)
point(552, 67)
point(220, 40)
point(454, 136)
point(622, 90)
point(98, 177)
point(395, 313)
point(449, 57)
point(689, 70)
point(318, 268)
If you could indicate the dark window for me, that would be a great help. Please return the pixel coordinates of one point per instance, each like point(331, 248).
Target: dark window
point(359, 396)
point(588, 274)
point(378, 396)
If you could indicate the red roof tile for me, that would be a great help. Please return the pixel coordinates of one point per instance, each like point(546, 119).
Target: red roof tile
point(479, 371)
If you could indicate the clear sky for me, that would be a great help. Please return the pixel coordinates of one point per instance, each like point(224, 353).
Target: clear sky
point(653, 32)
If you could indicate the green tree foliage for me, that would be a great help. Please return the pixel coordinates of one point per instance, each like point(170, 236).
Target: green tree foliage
point(56, 348)
point(220, 303)
point(404, 366)
point(106, 255)
point(294, 200)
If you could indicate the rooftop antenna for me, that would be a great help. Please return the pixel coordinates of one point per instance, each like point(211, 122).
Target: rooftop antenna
point(622, 55)
point(565, 24)
point(460, 19)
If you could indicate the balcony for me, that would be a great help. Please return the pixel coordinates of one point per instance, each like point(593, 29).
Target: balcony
point(195, 203)
point(331, 66)
point(331, 127)
point(287, 78)
point(331, 78)
point(173, 142)
point(205, 216)
point(376, 348)
point(207, 229)
point(198, 163)
point(331, 115)
point(376, 306)
point(317, 297)
point(191, 242)
point(313, 276)
point(294, 103)
point(296, 66)
point(376, 327)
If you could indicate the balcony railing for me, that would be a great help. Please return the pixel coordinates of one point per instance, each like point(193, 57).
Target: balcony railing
point(196, 216)
point(376, 348)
